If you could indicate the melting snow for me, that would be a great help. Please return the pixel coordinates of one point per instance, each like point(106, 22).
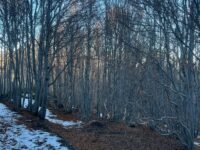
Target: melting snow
point(13, 136)
point(197, 143)
point(53, 118)
point(25, 102)
point(50, 116)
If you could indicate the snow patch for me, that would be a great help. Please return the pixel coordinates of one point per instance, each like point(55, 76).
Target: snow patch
point(53, 118)
point(197, 144)
point(14, 136)
point(49, 115)
point(25, 102)
point(101, 115)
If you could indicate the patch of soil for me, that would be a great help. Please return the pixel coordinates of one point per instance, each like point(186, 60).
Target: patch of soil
point(103, 135)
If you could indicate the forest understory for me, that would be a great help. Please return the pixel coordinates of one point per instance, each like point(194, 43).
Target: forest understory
point(87, 70)
point(98, 134)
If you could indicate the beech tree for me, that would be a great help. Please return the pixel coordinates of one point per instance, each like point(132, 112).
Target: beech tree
point(135, 61)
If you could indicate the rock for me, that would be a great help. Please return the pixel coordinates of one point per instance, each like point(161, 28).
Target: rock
point(133, 124)
point(95, 123)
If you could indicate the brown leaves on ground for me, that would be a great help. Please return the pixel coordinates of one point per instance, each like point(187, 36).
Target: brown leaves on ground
point(103, 135)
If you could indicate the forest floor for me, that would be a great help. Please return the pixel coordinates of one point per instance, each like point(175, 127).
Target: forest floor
point(99, 135)
point(15, 135)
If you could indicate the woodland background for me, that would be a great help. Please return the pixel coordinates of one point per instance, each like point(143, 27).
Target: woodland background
point(124, 60)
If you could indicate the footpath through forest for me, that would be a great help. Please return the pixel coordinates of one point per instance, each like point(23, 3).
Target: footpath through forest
point(63, 131)
point(17, 136)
